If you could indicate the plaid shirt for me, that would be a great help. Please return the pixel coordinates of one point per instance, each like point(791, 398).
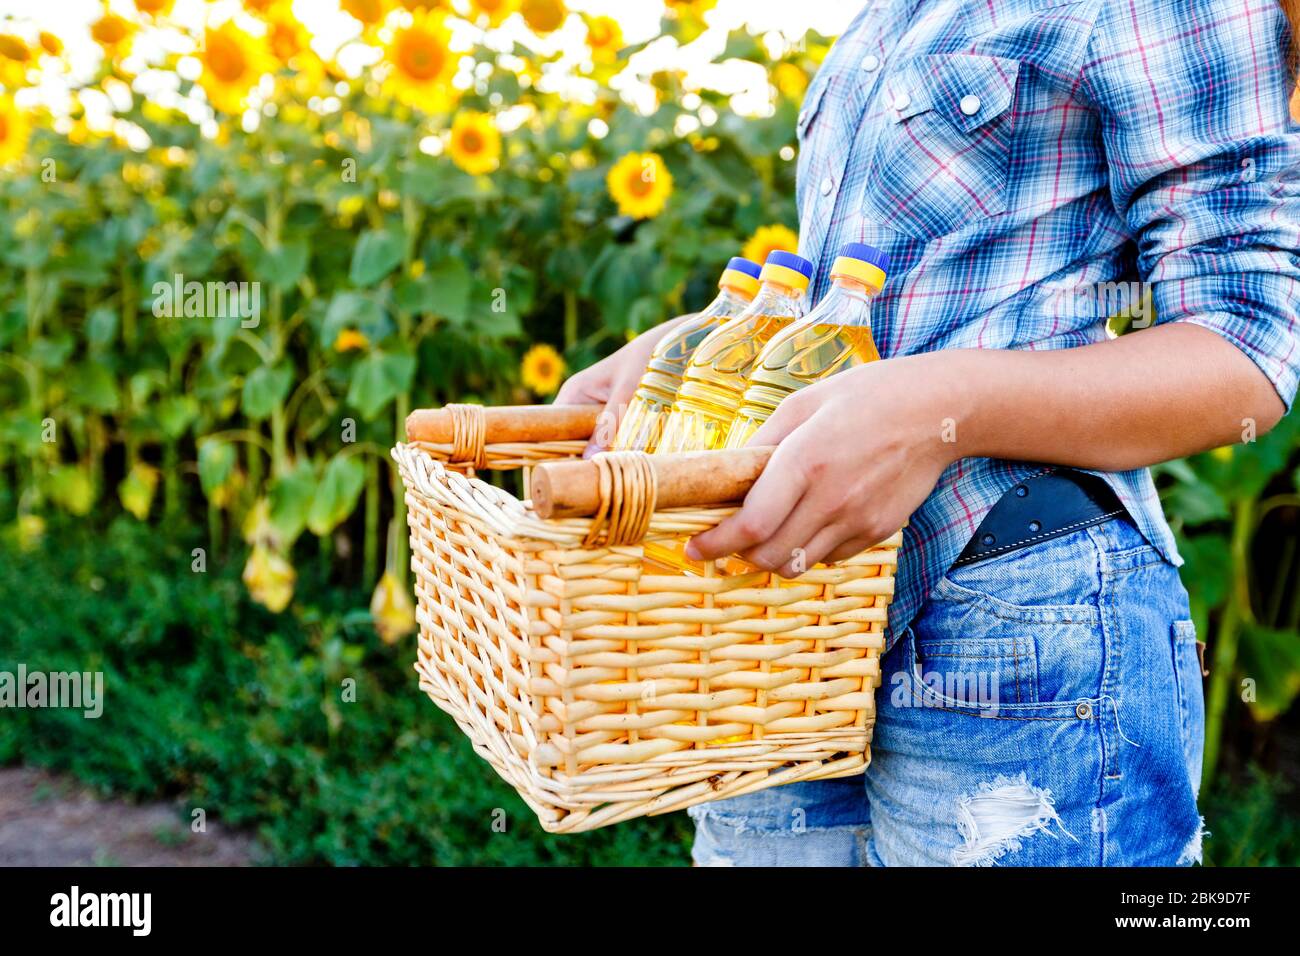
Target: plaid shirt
point(1019, 159)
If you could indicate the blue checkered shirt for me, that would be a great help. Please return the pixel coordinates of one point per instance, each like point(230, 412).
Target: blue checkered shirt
point(1024, 163)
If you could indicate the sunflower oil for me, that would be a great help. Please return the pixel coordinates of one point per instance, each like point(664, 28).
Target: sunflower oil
point(715, 379)
point(653, 399)
point(834, 337)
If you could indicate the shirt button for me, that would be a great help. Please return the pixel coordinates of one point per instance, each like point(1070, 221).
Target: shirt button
point(970, 105)
point(827, 185)
point(902, 101)
point(871, 63)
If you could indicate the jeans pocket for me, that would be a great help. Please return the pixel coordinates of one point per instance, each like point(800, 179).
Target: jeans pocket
point(1188, 680)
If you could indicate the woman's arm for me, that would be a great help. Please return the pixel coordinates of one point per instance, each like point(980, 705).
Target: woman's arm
point(859, 452)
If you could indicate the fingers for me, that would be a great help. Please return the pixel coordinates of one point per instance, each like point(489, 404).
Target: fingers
point(767, 506)
point(848, 549)
point(789, 415)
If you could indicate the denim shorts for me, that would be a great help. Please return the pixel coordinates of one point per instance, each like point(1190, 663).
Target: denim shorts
point(1045, 708)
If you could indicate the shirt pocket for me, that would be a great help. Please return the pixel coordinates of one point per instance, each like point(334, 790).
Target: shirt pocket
point(941, 160)
point(810, 122)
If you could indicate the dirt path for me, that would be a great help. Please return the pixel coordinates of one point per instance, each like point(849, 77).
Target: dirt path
point(47, 820)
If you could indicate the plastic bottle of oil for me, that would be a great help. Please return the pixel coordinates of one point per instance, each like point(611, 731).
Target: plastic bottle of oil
point(719, 370)
point(833, 337)
point(653, 399)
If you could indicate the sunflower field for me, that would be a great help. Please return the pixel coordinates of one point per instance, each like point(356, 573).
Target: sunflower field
point(233, 258)
point(450, 222)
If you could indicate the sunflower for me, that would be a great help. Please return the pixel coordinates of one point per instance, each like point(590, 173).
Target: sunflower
point(769, 239)
point(369, 12)
point(604, 38)
point(350, 340)
point(641, 184)
point(495, 10)
point(260, 6)
point(154, 8)
point(50, 43)
point(233, 62)
point(421, 64)
point(15, 128)
point(790, 80)
point(285, 36)
point(111, 32)
point(417, 6)
point(13, 48)
point(542, 369)
point(544, 16)
point(475, 144)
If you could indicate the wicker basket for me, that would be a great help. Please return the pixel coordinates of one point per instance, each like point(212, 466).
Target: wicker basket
point(602, 690)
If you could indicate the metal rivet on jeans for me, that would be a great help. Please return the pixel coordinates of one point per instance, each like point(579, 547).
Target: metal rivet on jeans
point(987, 540)
point(1083, 710)
point(1021, 491)
point(1035, 527)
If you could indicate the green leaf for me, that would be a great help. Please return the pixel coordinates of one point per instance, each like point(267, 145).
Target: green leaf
point(216, 464)
point(450, 283)
point(95, 388)
point(264, 389)
point(354, 310)
point(101, 326)
point(337, 493)
point(1271, 658)
point(379, 378)
point(291, 498)
point(175, 413)
point(284, 266)
point(71, 489)
point(377, 253)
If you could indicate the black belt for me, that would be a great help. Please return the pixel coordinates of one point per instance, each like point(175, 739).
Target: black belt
point(1039, 509)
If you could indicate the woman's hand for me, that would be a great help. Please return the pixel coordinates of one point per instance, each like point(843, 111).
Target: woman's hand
point(856, 455)
point(611, 382)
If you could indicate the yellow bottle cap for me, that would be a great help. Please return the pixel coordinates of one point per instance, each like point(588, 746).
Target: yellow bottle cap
point(787, 269)
point(742, 276)
point(867, 264)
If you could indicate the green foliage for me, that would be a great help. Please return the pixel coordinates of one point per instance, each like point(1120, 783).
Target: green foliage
point(208, 696)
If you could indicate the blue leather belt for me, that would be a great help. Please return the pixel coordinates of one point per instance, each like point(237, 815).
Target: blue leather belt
point(1039, 509)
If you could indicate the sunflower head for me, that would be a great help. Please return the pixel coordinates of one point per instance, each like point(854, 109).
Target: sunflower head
point(544, 16)
point(421, 64)
point(154, 8)
point(285, 36)
point(15, 128)
point(13, 48)
point(769, 239)
point(542, 369)
point(50, 43)
point(604, 38)
point(641, 184)
point(233, 63)
point(475, 143)
point(351, 340)
point(370, 13)
point(419, 6)
point(494, 11)
point(790, 80)
point(111, 32)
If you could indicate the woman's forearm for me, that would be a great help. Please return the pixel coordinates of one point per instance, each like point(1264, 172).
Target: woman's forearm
point(1147, 397)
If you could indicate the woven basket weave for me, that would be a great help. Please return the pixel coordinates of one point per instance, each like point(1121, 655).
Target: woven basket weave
point(602, 689)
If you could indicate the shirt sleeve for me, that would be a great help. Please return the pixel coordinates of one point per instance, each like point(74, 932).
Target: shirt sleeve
point(1202, 156)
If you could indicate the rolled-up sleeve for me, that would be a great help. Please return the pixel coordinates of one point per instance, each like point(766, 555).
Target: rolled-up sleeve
point(1203, 161)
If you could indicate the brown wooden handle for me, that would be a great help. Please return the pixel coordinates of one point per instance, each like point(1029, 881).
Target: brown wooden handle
point(509, 423)
point(571, 489)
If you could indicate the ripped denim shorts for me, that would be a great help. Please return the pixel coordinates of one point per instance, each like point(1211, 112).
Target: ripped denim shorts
point(1044, 709)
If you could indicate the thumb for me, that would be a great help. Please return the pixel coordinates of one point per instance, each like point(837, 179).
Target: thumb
point(606, 430)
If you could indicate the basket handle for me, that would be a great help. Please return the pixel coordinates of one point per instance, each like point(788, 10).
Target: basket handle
point(583, 488)
point(502, 424)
